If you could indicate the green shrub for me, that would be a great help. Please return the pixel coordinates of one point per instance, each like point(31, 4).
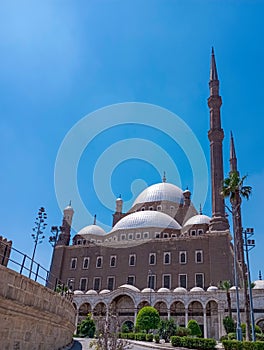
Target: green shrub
point(229, 325)
point(182, 331)
point(157, 338)
point(224, 337)
point(149, 337)
point(194, 328)
point(131, 336)
point(232, 336)
point(147, 318)
point(248, 345)
point(193, 343)
point(167, 328)
point(140, 336)
point(232, 345)
point(87, 327)
point(257, 329)
point(260, 336)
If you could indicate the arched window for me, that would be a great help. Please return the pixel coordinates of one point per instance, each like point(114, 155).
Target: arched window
point(99, 261)
point(152, 259)
point(113, 261)
point(166, 258)
point(183, 258)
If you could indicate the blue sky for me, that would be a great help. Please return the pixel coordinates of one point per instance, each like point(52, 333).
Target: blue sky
point(62, 60)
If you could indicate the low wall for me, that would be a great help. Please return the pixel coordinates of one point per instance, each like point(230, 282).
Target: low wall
point(32, 317)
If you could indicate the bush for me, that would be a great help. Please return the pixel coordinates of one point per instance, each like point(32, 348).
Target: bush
point(167, 328)
point(149, 337)
point(157, 338)
point(147, 318)
point(140, 336)
point(229, 325)
point(232, 345)
point(193, 343)
point(232, 336)
point(194, 328)
point(182, 332)
point(224, 337)
point(86, 328)
point(260, 336)
point(131, 336)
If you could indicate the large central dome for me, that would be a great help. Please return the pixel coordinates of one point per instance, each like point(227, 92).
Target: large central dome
point(147, 218)
point(160, 192)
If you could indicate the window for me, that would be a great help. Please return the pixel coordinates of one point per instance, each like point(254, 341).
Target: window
point(159, 207)
point(200, 231)
point(138, 235)
point(99, 261)
point(151, 281)
point(199, 280)
point(110, 283)
point(183, 258)
point(167, 281)
point(193, 232)
point(173, 235)
point(79, 241)
point(114, 238)
point(152, 259)
point(157, 235)
point(70, 283)
point(183, 281)
point(123, 237)
point(165, 235)
point(142, 209)
point(132, 259)
point(86, 262)
point(150, 208)
point(145, 235)
point(167, 258)
point(113, 261)
point(73, 263)
point(99, 241)
point(198, 256)
point(97, 283)
point(172, 208)
point(130, 236)
point(131, 280)
point(83, 284)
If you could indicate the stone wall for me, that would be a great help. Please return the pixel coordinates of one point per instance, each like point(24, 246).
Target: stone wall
point(32, 317)
point(5, 249)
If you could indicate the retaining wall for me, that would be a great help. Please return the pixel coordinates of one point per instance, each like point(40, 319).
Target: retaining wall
point(32, 317)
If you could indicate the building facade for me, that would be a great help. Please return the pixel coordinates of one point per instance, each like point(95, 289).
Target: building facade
point(162, 252)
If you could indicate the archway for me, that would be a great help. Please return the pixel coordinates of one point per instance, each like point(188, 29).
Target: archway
point(162, 309)
point(177, 312)
point(212, 320)
point(127, 326)
point(123, 308)
point(195, 312)
point(85, 309)
point(99, 310)
point(142, 304)
point(260, 323)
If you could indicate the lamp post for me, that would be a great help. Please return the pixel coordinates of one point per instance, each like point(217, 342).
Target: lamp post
point(250, 244)
point(37, 234)
point(150, 274)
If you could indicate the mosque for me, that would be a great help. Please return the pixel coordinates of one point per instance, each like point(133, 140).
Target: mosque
point(161, 252)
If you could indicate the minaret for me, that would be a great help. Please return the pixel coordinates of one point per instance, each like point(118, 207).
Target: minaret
point(233, 158)
point(119, 210)
point(65, 235)
point(216, 136)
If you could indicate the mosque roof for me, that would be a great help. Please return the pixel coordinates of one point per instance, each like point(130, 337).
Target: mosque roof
point(199, 219)
point(92, 230)
point(146, 218)
point(160, 192)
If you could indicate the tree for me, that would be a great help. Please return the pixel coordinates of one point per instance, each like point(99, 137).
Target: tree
point(233, 188)
point(226, 285)
point(167, 328)
point(194, 328)
point(87, 327)
point(229, 325)
point(147, 318)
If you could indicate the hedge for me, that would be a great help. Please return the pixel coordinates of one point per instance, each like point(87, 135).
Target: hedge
point(193, 343)
point(245, 345)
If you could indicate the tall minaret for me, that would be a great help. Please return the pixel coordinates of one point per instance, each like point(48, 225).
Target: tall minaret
point(65, 235)
point(216, 136)
point(233, 158)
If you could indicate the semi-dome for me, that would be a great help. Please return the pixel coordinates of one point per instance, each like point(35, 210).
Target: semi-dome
point(148, 290)
point(129, 286)
point(259, 284)
point(78, 292)
point(160, 192)
point(104, 291)
point(180, 290)
point(199, 219)
point(92, 230)
point(212, 289)
point(163, 290)
point(91, 292)
point(146, 218)
point(197, 289)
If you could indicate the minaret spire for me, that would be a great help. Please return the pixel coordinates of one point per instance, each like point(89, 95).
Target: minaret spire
point(233, 158)
point(164, 179)
point(216, 136)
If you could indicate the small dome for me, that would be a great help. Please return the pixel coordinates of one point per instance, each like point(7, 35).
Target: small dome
point(69, 207)
point(78, 292)
point(163, 290)
point(119, 199)
point(91, 292)
point(129, 286)
point(212, 289)
point(259, 284)
point(198, 220)
point(234, 288)
point(147, 218)
point(92, 230)
point(180, 290)
point(104, 291)
point(197, 289)
point(148, 290)
point(160, 192)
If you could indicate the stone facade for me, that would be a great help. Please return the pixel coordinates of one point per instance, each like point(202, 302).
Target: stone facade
point(33, 317)
point(5, 249)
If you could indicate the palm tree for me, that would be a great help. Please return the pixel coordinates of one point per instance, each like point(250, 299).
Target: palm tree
point(226, 285)
point(234, 189)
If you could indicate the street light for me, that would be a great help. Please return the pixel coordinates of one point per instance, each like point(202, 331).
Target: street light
point(150, 275)
point(37, 234)
point(250, 244)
